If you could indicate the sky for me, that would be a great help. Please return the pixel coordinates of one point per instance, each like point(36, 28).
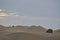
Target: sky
point(30, 12)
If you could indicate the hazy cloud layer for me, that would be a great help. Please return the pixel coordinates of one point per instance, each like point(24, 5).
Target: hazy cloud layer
point(14, 16)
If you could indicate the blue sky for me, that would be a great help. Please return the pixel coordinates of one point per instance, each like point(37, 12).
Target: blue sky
point(30, 12)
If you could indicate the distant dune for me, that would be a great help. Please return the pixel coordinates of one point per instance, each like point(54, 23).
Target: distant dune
point(27, 33)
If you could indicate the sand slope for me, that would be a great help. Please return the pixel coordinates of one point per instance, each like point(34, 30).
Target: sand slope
point(27, 33)
point(23, 36)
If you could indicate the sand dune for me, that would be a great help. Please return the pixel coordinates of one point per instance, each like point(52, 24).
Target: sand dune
point(4, 38)
point(27, 33)
point(23, 36)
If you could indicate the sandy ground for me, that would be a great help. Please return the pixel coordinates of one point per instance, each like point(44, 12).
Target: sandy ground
point(27, 33)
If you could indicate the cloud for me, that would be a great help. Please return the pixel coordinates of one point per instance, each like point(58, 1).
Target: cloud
point(44, 18)
point(3, 14)
point(6, 16)
point(16, 17)
point(32, 18)
point(13, 14)
point(0, 10)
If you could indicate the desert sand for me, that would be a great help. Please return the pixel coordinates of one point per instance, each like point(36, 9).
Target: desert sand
point(27, 33)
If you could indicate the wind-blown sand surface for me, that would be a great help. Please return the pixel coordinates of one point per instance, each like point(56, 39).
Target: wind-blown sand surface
point(27, 33)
